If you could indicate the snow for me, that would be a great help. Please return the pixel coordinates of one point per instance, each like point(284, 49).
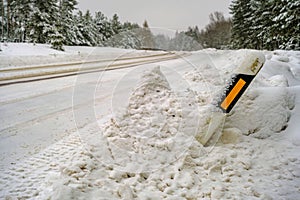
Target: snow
point(26, 54)
point(130, 133)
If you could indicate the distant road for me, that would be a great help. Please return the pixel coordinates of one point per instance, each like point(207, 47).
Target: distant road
point(14, 75)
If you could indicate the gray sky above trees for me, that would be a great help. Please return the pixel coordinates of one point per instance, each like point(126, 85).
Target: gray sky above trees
point(170, 14)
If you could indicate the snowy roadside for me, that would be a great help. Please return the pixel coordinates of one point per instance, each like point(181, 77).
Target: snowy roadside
point(26, 54)
point(147, 152)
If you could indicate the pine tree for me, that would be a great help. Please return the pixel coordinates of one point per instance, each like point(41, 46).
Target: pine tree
point(293, 24)
point(274, 24)
point(88, 29)
point(260, 34)
point(240, 10)
point(21, 10)
point(287, 24)
point(193, 32)
point(78, 38)
point(2, 22)
point(67, 21)
point(44, 17)
point(6, 19)
point(145, 24)
point(130, 26)
point(56, 39)
point(162, 42)
point(182, 42)
point(116, 25)
point(147, 39)
point(103, 26)
point(127, 39)
point(268, 24)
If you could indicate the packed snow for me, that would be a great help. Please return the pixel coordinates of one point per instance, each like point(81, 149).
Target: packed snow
point(136, 132)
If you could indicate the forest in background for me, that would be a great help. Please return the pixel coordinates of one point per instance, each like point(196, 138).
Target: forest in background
point(255, 24)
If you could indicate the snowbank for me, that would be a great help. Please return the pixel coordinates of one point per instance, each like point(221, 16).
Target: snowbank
point(148, 151)
point(26, 54)
point(141, 146)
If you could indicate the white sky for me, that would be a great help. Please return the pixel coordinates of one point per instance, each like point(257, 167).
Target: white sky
point(167, 14)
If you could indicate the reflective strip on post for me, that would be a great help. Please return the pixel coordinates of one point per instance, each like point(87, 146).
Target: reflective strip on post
point(233, 93)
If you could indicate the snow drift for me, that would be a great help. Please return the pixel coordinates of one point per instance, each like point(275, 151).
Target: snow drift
point(149, 150)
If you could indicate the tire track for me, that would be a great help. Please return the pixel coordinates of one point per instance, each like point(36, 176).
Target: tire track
point(27, 179)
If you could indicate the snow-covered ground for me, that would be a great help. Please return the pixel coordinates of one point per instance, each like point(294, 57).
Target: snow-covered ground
point(130, 133)
point(26, 54)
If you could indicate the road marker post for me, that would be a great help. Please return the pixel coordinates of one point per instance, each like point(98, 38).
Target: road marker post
point(242, 78)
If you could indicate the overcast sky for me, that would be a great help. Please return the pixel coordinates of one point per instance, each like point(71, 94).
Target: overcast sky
point(169, 14)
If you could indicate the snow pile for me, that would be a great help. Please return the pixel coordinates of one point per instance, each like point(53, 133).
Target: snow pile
point(134, 158)
point(262, 112)
point(266, 107)
point(151, 133)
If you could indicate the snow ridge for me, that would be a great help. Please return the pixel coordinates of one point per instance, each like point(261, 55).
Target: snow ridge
point(146, 136)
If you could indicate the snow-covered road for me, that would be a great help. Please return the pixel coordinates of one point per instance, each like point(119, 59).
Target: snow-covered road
point(35, 115)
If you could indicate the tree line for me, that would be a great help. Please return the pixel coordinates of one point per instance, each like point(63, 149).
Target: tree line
point(255, 24)
point(266, 24)
point(54, 22)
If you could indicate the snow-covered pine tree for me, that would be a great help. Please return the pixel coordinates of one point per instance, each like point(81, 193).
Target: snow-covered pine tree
point(128, 37)
point(21, 12)
point(3, 20)
point(262, 10)
point(275, 22)
point(193, 32)
point(8, 16)
point(6, 20)
point(56, 39)
point(116, 24)
point(251, 25)
point(293, 25)
point(88, 29)
point(241, 11)
point(78, 38)
point(182, 42)
point(43, 19)
point(146, 36)
point(130, 26)
point(288, 28)
point(103, 26)
point(268, 24)
point(162, 41)
point(68, 21)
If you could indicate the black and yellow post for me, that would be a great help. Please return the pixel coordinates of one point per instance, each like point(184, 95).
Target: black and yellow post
point(243, 77)
point(240, 83)
point(233, 93)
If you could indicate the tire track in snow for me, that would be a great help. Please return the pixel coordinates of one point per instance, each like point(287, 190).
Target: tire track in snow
point(23, 180)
